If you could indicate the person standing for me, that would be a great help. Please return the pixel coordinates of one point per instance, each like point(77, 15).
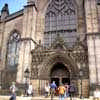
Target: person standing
point(61, 90)
point(30, 90)
point(26, 89)
point(66, 90)
point(72, 90)
point(96, 94)
point(47, 90)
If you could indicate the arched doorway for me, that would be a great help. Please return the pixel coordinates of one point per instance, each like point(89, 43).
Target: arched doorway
point(60, 74)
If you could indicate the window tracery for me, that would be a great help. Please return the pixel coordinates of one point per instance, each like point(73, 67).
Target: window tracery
point(13, 50)
point(60, 18)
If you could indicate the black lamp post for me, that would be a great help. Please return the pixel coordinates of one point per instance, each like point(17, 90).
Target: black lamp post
point(26, 73)
point(81, 74)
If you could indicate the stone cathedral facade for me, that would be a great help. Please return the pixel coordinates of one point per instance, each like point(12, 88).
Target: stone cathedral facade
point(54, 40)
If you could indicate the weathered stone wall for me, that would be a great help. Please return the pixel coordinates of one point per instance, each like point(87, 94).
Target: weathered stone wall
point(29, 31)
point(1, 41)
point(6, 29)
point(25, 24)
point(93, 40)
point(39, 27)
point(98, 13)
point(81, 17)
point(94, 57)
point(91, 16)
point(32, 25)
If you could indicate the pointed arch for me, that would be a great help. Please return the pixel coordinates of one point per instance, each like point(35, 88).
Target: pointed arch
point(61, 18)
point(13, 46)
point(47, 65)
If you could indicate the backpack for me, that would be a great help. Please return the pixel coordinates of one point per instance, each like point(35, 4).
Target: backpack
point(72, 89)
point(61, 90)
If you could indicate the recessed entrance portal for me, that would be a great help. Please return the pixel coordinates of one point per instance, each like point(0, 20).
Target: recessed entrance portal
point(60, 74)
point(66, 80)
point(56, 81)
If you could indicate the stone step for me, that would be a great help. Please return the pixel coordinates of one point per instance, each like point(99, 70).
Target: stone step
point(42, 98)
point(55, 98)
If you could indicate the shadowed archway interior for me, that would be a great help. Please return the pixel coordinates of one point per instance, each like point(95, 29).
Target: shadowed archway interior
point(60, 74)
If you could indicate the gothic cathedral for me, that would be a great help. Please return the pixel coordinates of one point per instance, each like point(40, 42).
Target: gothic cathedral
point(52, 40)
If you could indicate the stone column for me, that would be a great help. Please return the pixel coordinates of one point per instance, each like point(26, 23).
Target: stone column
point(92, 28)
point(29, 24)
point(93, 41)
point(91, 56)
point(97, 54)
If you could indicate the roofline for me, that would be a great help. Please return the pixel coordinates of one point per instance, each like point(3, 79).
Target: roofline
point(14, 15)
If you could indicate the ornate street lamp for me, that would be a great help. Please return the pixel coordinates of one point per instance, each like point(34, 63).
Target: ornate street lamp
point(81, 75)
point(26, 74)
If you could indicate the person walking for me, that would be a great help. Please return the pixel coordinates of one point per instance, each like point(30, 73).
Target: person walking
point(13, 90)
point(53, 87)
point(61, 90)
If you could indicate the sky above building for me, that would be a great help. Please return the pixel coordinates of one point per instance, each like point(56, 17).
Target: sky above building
point(14, 5)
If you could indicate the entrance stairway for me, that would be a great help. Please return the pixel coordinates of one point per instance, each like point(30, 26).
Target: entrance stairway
point(57, 98)
point(43, 98)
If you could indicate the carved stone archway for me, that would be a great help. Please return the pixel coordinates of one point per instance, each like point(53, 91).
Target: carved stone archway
point(44, 59)
point(47, 65)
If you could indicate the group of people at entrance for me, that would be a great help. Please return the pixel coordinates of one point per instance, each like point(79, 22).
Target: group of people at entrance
point(28, 90)
point(62, 90)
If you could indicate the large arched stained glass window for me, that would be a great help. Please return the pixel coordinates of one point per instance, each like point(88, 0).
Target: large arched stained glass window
point(13, 50)
point(61, 18)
